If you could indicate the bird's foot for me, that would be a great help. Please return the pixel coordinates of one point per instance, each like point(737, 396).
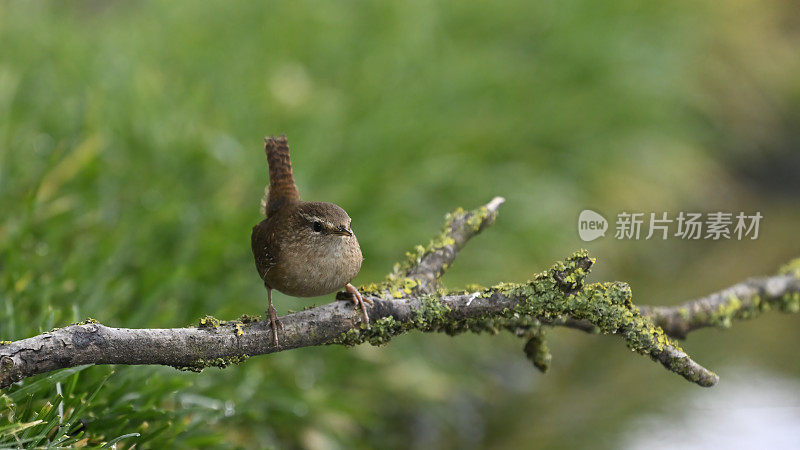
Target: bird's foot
point(275, 323)
point(359, 300)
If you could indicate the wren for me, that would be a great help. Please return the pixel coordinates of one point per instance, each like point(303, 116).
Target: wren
point(303, 249)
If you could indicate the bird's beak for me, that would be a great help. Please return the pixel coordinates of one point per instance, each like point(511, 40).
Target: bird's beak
point(342, 231)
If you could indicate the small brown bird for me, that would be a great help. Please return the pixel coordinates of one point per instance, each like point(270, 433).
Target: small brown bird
point(303, 249)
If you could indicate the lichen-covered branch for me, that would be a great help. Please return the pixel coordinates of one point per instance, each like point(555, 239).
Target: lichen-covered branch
point(742, 301)
point(548, 297)
point(424, 265)
point(410, 299)
point(745, 300)
point(427, 264)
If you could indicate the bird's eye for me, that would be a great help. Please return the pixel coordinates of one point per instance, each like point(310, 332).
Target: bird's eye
point(317, 227)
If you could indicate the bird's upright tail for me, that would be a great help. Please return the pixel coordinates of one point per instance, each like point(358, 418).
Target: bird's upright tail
point(282, 189)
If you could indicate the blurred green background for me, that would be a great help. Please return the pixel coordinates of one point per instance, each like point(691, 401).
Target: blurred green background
point(131, 169)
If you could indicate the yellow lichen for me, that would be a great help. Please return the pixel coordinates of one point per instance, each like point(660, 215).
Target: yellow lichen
point(209, 322)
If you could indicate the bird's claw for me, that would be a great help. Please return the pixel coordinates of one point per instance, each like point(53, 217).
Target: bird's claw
point(359, 300)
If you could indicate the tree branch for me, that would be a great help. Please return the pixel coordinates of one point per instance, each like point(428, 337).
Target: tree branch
point(411, 299)
point(744, 300)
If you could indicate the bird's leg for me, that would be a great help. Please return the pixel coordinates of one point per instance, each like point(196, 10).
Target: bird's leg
point(359, 300)
point(274, 322)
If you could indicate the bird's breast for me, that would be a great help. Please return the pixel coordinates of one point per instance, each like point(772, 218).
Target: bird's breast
point(309, 271)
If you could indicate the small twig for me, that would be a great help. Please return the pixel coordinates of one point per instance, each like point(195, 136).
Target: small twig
point(428, 265)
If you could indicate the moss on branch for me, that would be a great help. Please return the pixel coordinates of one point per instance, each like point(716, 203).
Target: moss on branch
point(551, 296)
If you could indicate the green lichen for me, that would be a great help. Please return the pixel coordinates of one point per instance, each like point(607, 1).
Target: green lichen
point(735, 308)
point(536, 349)
point(87, 321)
point(199, 364)
point(247, 318)
point(725, 313)
point(238, 329)
point(395, 286)
point(398, 284)
point(209, 322)
point(791, 268)
point(5, 342)
point(431, 316)
point(478, 218)
point(790, 302)
point(354, 336)
point(379, 333)
point(474, 219)
point(212, 322)
point(607, 306)
point(474, 287)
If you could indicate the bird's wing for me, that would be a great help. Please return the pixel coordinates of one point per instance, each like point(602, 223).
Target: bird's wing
point(263, 252)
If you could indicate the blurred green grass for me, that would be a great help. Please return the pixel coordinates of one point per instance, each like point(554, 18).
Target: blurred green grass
point(131, 168)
